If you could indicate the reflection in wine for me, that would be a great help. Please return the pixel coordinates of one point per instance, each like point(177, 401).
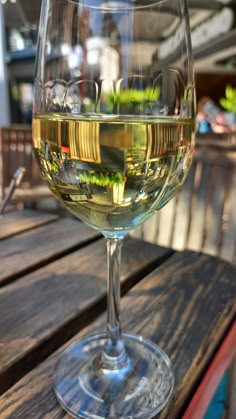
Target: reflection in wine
point(113, 173)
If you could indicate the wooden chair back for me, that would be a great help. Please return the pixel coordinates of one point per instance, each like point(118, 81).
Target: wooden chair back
point(202, 216)
point(15, 151)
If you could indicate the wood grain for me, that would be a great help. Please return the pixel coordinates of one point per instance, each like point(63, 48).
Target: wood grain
point(26, 252)
point(16, 222)
point(42, 310)
point(186, 305)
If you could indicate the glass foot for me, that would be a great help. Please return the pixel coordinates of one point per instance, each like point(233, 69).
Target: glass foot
point(137, 390)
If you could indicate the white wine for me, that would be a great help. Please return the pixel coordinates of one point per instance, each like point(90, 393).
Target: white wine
point(113, 172)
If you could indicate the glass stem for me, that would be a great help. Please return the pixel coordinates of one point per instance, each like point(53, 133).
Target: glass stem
point(114, 355)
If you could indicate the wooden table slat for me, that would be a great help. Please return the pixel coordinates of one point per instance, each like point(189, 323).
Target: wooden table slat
point(34, 248)
point(54, 302)
point(186, 306)
point(16, 222)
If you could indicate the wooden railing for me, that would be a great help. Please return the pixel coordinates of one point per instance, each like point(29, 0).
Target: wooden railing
point(202, 216)
point(16, 151)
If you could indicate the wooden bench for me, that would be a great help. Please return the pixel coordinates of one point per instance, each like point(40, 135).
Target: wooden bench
point(202, 216)
point(15, 151)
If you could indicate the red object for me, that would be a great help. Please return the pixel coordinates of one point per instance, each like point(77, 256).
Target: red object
point(65, 149)
point(201, 399)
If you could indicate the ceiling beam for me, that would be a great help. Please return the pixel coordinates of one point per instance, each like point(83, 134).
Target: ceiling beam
point(208, 5)
point(215, 45)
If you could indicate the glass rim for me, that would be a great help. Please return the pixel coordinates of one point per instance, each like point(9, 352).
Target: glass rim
point(117, 5)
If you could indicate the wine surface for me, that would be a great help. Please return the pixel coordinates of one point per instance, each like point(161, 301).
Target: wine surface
point(113, 172)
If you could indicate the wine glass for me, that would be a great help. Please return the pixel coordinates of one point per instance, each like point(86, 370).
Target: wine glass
point(113, 134)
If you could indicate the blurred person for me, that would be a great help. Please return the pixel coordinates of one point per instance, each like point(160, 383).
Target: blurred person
point(210, 117)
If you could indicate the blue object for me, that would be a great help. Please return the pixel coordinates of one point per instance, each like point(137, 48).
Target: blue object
point(217, 405)
point(204, 127)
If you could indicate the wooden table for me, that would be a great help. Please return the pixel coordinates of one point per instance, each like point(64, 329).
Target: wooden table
point(53, 291)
